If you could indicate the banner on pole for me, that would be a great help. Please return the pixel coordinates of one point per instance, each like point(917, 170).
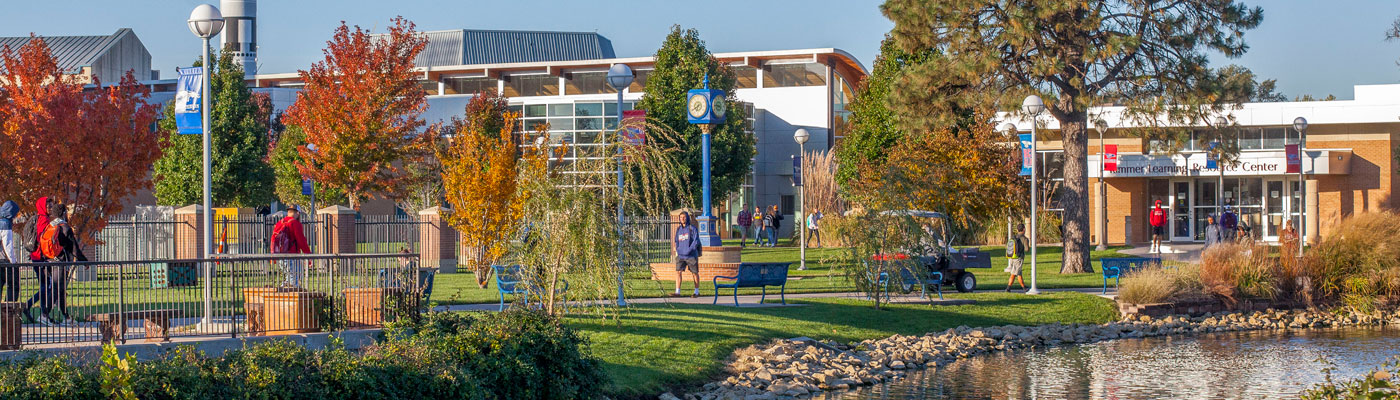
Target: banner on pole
point(1294, 159)
point(634, 132)
point(1110, 157)
point(188, 117)
point(797, 170)
point(305, 187)
point(1027, 156)
point(1211, 157)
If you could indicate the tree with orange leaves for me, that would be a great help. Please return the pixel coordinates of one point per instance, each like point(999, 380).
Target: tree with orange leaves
point(91, 148)
point(360, 108)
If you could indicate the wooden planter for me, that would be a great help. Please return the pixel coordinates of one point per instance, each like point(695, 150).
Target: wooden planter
point(253, 308)
point(10, 325)
point(292, 312)
point(366, 307)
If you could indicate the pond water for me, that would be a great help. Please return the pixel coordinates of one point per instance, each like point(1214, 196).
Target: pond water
point(1250, 365)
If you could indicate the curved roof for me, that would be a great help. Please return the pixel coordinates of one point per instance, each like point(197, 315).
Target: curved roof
point(472, 46)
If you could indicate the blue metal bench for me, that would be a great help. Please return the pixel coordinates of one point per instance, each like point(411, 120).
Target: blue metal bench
point(1117, 267)
point(908, 279)
point(508, 282)
point(759, 275)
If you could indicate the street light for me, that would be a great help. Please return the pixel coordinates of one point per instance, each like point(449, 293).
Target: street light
point(312, 148)
point(1033, 107)
point(1300, 124)
point(1102, 126)
point(619, 77)
point(205, 22)
point(801, 138)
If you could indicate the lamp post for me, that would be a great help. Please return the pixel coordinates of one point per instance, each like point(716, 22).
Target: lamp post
point(619, 77)
point(1300, 124)
point(1220, 123)
point(801, 137)
point(1033, 107)
point(312, 148)
point(1101, 126)
point(205, 22)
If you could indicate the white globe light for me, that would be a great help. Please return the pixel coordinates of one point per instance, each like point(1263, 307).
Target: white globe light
point(620, 76)
point(1032, 105)
point(206, 21)
point(800, 136)
point(1300, 124)
point(1007, 128)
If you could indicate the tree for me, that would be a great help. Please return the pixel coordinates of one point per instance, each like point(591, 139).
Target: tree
point(361, 108)
point(682, 63)
point(284, 157)
point(91, 148)
point(480, 178)
point(1244, 82)
point(239, 170)
point(1147, 54)
point(872, 125)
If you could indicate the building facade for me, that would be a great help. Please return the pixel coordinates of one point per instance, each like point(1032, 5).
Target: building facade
point(1348, 163)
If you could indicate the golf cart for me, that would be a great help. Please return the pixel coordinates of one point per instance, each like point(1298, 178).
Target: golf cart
point(942, 263)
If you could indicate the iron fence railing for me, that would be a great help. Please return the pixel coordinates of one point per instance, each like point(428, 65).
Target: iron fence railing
point(221, 296)
point(387, 233)
point(252, 234)
point(136, 237)
point(652, 236)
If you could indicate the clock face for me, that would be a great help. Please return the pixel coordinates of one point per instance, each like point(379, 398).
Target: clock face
point(697, 106)
point(720, 108)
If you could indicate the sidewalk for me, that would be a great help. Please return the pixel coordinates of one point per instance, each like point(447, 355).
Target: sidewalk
point(751, 301)
point(1184, 252)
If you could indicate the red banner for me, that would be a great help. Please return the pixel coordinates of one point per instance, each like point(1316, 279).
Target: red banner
point(1295, 160)
point(1110, 157)
point(634, 130)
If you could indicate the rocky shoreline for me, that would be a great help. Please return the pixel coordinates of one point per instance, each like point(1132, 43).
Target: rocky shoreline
point(800, 368)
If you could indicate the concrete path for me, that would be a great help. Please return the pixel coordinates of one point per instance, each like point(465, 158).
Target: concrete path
point(1184, 252)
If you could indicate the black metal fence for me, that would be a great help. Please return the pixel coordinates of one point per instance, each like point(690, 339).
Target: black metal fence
point(652, 236)
point(229, 296)
point(252, 234)
point(386, 233)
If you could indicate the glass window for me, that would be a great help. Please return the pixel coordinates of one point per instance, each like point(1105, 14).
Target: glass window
point(534, 110)
point(469, 85)
point(531, 85)
point(429, 86)
point(789, 75)
point(787, 204)
point(747, 77)
point(639, 82)
point(561, 124)
point(1273, 138)
point(588, 137)
point(561, 110)
point(587, 83)
point(1250, 139)
point(588, 123)
point(589, 109)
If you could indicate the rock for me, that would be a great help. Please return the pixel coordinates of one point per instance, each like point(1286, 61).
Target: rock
point(897, 364)
point(668, 396)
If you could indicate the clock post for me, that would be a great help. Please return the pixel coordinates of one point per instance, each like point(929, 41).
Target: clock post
point(705, 107)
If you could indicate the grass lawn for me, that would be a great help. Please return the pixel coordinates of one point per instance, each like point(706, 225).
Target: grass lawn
point(652, 348)
point(819, 277)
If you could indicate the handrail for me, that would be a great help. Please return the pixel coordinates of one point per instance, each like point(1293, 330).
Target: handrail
point(215, 259)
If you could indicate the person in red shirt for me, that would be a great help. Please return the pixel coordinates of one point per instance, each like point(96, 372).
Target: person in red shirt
point(1158, 219)
point(289, 238)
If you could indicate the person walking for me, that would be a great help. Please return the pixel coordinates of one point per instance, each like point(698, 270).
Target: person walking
point(1016, 257)
point(1229, 224)
point(1213, 234)
point(687, 254)
point(43, 295)
point(745, 220)
point(757, 225)
point(1288, 239)
point(768, 228)
point(777, 227)
point(9, 273)
point(289, 238)
point(814, 218)
point(55, 243)
point(1157, 219)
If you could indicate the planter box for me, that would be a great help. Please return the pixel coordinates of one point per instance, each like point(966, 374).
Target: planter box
point(366, 307)
point(253, 309)
point(10, 325)
point(292, 312)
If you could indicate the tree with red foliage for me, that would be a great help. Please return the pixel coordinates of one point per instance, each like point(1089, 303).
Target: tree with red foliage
point(91, 148)
point(360, 108)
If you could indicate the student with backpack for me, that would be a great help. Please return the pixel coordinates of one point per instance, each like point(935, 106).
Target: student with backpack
point(289, 238)
point(1016, 257)
point(9, 273)
point(53, 241)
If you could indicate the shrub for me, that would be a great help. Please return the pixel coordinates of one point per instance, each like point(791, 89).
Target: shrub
point(1359, 261)
point(1235, 270)
point(1146, 286)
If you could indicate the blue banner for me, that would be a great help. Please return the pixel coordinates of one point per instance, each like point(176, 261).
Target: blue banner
point(188, 120)
point(797, 170)
point(1027, 155)
point(1211, 156)
point(305, 187)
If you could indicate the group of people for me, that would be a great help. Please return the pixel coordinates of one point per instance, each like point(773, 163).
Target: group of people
point(1225, 229)
point(766, 225)
point(46, 238)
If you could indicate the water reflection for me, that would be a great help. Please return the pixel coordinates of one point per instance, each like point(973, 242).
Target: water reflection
point(1248, 365)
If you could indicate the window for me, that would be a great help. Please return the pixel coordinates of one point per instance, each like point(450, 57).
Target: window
point(469, 85)
point(590, 109)
point(790, 75)
point(747, 77)
point(639, 81)
point(1250, 139)
point(1273, 138)
point(431, 87)
point(531, 85)
point(587, 83)
point(786, 205)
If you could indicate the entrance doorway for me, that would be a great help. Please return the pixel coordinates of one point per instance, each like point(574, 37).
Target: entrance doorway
point(1181, 212)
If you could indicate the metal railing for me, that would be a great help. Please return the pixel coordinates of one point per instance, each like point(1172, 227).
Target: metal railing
point(136, 237)
point(386, 233)
point(252, 234)
point(244, 295)
point(652, 235)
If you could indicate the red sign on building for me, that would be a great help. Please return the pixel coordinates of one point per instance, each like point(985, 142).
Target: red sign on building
point(1110, 157)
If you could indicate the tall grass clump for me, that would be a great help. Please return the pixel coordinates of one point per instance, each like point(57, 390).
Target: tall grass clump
point(1358, 263)
point(1235, 271)
point(1167, 283)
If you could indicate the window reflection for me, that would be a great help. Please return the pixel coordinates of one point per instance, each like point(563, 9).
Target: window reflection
point(790, 75)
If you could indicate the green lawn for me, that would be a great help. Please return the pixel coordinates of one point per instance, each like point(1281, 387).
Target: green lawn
point(819, 277)
point(651, 348)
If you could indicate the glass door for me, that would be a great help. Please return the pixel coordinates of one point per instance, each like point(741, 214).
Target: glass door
point(1181, 212)
point(1205, 205)
point(1274, 207)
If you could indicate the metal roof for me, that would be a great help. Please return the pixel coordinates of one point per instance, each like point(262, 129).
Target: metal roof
point(72, 52)
point(471, 46)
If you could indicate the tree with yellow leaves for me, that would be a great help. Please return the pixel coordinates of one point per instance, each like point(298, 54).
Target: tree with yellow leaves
point(480, 177)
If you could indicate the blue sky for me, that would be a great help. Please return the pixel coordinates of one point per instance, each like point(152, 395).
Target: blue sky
point(1310, 46)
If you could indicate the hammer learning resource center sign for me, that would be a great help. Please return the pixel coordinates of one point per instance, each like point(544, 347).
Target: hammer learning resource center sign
point(1195, 164)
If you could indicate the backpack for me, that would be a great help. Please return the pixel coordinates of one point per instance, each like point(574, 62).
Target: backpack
point(49, 246)
point(283, 242)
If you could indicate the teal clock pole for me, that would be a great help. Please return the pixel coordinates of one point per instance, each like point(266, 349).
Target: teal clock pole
point(706, 108)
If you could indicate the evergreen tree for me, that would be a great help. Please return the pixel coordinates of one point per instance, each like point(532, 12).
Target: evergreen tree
point(241, 174)
point(681, 64)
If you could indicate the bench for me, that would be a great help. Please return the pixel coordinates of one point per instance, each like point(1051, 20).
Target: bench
point(1117, 267)
point(759, 275)
point(113, 325)
point(508, 282)
point(908, 280)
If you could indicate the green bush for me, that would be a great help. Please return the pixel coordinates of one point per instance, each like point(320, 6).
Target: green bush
point(513, 355)
point(1147, 286)
point(1379, 384)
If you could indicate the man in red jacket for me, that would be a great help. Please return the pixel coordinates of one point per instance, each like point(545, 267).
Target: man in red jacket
point(288, 238)
point(1158, 219)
